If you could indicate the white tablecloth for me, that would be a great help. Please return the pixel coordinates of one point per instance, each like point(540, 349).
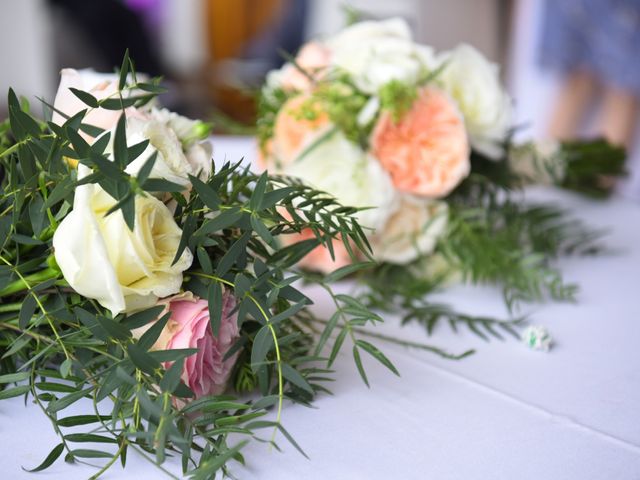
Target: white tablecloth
point(505, 413)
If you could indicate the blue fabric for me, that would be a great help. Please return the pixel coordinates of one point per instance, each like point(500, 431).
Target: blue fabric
point(598, 36)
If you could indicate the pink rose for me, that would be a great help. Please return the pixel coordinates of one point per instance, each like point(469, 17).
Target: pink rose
point(99, 85)
point(205, 372)
point(314, 59)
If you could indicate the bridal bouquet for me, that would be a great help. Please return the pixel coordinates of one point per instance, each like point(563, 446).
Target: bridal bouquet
point(145, 288)
point(421, 142)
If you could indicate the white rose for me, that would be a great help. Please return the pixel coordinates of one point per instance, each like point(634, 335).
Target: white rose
point(99, 85)
point(340, 168)
point(412, 230)
point(475, 85)
point(542, 162)
point(375, 53)
point(186, 129)
point(171, 163)
point(102, 259)
point(200, 157)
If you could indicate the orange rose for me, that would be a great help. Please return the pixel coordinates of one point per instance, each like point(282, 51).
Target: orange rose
point(297, 125)
point(427, 152)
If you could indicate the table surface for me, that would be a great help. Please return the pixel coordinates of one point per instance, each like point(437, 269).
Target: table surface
point(506, 412)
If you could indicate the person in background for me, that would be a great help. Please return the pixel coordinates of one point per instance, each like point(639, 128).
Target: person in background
point(594, 44)
point(106, 28)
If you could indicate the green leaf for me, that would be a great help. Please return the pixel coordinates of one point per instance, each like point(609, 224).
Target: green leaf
point(14, 392)
point(358, 360)
point(89, 453)
point(128, 206)
point(120, 151)
point(326, 333)
point(85, 97)
point(65, 368)
point(262, 344)
point(258, 192)
point(52, 457)
point(115, 329)
point(143, 360)
point(171, 378)
point(293, 376)
point(14, 377)
point(89, 321)
point(140, 319)
point(337, 345)
point(76, 420)
point(288, 313)
point(80, 145)
point(270, 199)
point(377, 354)
point(64, 402)
point(204, 260)
point(291, 440)
point(348, 270)
point(208, 196)
point(108, 384)
point(187, 231)
point(236, 250)
point(262, 230)
point(137, 149)
point(172, 355)
point(208, 467)
point(26, 311)
point(162, 185)
point(88, 437)
point(55, 387)
point(222, 221)
point(150, 336)
point(145, 171)
point(120, 103)
point(94, 132)
point(124, 70)
point(214, 298)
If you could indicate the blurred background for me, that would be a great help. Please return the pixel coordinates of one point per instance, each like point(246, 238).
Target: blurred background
point(571, 65)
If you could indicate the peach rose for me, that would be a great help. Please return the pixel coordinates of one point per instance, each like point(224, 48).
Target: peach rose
point(427, 151)
point(297, 125)
point(314, 59)
point(205, 372)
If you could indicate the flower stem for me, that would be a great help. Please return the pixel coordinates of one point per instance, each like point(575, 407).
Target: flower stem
point(25, 282)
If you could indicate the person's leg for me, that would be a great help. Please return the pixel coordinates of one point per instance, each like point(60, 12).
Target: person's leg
point(619, 116)
point(574, 97)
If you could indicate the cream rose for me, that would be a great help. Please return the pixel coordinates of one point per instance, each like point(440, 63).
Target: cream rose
point(412, 230)
point(375, 53)
point(102, 259)
point(474, 83)
point(354, 178)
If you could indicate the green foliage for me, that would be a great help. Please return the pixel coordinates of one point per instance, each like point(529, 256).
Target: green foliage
point(592, 166)
point(397, 98)
point(61, 349)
